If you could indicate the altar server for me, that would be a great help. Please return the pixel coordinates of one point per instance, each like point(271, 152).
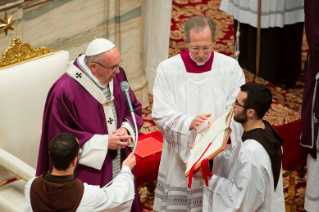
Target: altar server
point(59, 190)
point(254, 182)
point(282, 25)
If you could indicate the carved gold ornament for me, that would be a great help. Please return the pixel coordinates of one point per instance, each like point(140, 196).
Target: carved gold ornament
point(20, 52)
point(6, 24)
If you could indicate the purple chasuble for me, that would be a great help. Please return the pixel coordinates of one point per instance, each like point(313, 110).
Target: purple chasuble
point(70, 108)
point(192, 67)
point(310, 124)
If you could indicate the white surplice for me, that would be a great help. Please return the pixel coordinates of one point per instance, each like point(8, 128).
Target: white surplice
point(178, 98)
point(274, 13)
point(117, 197)
point(249, 186)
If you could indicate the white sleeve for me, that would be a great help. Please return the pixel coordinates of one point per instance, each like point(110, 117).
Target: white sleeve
point(237, 80)
point(94, 151)
point(27, 203)
point(118, 196)
point(237, 132)
point(245, 192)
point(222, 162)
point(173, 125)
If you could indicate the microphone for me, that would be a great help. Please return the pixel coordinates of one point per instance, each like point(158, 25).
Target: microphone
point(125, 89)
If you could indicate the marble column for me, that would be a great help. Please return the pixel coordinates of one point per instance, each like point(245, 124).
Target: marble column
point(156, 36)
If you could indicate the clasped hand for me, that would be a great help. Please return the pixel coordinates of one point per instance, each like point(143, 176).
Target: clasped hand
point(119, 139)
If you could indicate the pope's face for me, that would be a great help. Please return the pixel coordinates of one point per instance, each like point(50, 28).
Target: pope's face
point(200, 44)
point(240, 112)
point(106, 69)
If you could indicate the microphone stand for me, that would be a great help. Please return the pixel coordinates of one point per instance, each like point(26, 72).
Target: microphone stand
point(134, 120)
point(136, 131)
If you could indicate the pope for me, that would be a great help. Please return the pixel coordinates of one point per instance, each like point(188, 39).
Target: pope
point(87, 101)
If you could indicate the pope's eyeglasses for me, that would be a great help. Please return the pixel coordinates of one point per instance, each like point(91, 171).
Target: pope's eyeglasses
point(113, 69)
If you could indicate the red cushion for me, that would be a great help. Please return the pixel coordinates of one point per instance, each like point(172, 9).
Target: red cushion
point(147, 168)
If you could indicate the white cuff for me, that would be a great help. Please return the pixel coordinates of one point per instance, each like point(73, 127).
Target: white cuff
point(94, 151)
point(126, 169)
point(186, 126)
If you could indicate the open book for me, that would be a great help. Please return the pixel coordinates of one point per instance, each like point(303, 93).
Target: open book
point(211, 141)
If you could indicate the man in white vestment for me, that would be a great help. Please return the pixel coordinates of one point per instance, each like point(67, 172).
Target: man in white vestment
point(281, 35)
point(190, 89)
point(59, 190)
point(254, 183)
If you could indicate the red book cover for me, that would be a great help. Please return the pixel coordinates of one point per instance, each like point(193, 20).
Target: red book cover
point(148, 147)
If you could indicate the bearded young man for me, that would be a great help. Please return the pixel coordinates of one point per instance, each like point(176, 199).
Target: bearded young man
point(254, 182)
point(190, 89)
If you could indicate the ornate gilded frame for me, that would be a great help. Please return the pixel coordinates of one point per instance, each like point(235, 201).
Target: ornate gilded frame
point(21, 52)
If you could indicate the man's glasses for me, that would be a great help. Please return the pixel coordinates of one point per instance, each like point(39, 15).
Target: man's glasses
point(236, 103)
point(197, 49)
point(113, 69)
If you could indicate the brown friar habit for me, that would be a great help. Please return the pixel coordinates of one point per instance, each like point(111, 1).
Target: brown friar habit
point(56, 193)
point(272, 143)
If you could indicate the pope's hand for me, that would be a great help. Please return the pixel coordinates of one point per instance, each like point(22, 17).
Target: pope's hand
point(130, 161)
point(123, 131)
point(198, 121)
point(117, 141)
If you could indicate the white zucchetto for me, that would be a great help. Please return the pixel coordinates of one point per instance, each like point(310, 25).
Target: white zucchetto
point(98, 46)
